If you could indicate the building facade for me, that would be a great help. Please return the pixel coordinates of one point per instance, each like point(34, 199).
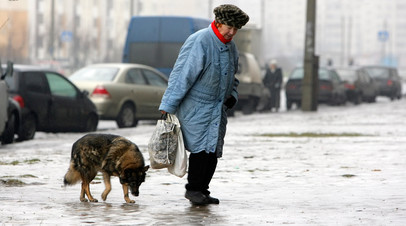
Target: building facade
point(68, 35)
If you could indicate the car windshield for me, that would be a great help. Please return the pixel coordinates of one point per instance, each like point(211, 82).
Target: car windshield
point(105, 74)
point(378, 73)
point(299, 74)
point(347, 75)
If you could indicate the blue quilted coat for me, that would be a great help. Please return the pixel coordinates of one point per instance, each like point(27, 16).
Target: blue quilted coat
point(201, 81)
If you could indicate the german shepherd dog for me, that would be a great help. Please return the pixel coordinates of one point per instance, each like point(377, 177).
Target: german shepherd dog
point(113, 156)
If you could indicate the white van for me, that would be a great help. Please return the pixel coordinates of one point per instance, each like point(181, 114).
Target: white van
point(251, 90)
point(9, 110)
point(3, 105)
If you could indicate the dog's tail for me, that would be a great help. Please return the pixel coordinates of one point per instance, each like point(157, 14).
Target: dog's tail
point(72, 176)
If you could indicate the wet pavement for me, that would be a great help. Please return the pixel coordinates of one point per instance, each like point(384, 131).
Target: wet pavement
point(338, 166)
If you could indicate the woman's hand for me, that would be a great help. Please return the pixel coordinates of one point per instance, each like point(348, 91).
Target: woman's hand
point(230, 102)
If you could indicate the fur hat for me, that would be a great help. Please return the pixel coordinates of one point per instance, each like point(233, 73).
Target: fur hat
point(230, 15)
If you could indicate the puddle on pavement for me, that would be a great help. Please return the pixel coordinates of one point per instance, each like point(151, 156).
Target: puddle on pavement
point(170, 213)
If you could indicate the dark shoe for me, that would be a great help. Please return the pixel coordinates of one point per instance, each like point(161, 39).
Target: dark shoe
point(197, 198)
point(213, 200)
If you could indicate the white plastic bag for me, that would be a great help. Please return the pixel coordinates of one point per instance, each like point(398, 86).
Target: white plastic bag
point(180, 165)
point(162, 146)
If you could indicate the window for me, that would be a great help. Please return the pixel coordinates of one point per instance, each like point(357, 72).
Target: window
point(335, 77)
point(364, 77)
point(154, 79)
point(134, 76)
point(34, 82)
point(324, 74)
point(10, 81)
point(104, 74)
point(348, 75)
point(59, 86)
point(297, 74)
point(159, 55)
point(378, 73)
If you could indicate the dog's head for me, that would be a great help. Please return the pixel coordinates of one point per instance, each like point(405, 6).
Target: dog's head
point(133, 178)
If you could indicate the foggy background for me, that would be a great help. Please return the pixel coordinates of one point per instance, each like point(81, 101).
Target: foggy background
point(67, 35)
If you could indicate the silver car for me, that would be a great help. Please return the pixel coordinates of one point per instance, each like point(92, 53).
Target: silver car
point(123, 92)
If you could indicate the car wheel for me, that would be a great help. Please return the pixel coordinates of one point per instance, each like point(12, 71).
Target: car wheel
point(372, 99)
point(8, 135)
point(299, 104)
point(250, 106)
point(91, 123)
point(126, 117)
point(358, 99)
point(28, 128)
point(334, 100)
point(288, 104)
point(393, 96)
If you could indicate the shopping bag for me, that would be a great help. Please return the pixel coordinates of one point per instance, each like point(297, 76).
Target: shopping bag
point(179, 167)
point(163, 143)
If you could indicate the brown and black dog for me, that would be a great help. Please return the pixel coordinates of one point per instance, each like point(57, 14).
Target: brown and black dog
point(113, 156)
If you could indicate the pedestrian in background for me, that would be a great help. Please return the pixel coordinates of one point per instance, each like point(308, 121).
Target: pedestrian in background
point(202, 86)
point(273, 81)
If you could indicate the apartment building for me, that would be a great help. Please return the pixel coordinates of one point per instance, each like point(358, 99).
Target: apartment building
point(76, 33)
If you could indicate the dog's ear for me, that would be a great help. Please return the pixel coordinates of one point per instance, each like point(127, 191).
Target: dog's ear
point(146, 168)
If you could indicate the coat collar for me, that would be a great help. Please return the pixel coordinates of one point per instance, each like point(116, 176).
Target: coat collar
point(217, 32)
point(219, 44)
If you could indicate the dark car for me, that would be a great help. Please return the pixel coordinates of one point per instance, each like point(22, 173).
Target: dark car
point(331, 88)
point(390, 84)
point(359, 84)
point(50, 102)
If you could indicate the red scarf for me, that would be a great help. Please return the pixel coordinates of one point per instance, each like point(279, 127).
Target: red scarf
point(217, 32)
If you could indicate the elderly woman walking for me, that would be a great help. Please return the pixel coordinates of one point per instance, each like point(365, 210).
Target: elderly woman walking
point(202, 86)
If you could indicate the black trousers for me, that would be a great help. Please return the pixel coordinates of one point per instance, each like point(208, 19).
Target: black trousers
point(202, 166)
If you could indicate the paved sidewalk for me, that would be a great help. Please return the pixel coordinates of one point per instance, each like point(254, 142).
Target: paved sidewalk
point(337, 166)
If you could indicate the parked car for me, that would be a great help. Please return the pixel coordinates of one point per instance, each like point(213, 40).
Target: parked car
point(359, 84)
point(50, 102)
point(250, 89)
point(331, 88)
point(10, 112)
point(123, 92)
point(389, 81)
point(13, 123)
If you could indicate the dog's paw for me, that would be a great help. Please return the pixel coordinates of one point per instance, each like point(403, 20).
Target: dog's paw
point(129, 200)
point(83, 199)
point(93, 200)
